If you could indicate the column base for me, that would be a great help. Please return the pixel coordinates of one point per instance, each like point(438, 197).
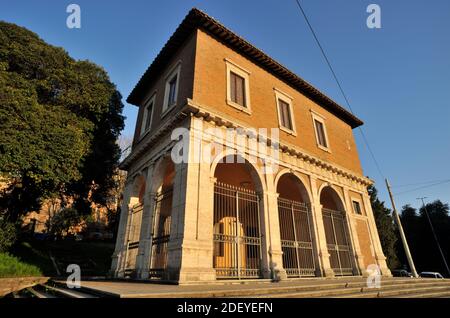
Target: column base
point(279, 274)
point(328, 272)
point(193, 275)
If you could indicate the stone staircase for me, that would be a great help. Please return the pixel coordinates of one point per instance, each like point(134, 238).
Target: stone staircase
point(350, 287)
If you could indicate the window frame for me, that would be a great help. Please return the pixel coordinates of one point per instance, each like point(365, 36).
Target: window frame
point(279, 95)
point(321, 119)
point(356, 200)
point(150, 100)
point(245, 74)
point(173, 72)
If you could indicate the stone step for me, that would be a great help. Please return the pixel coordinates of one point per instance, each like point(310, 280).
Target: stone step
point(67, 293)
point(307, 288)
point(433, 294)
point(404, 291)
point(39, 294)
point(351, 291)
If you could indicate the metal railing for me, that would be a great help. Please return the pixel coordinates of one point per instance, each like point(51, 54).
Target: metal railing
point(161, 234)
point(337, 242)
point(236, 233)
point(133, 239)
point(296, 238)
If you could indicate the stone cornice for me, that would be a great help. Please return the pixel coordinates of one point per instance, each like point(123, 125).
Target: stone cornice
point(220, 119)
point(151, 139)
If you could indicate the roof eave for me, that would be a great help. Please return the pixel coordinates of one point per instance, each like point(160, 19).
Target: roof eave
point(197, 19)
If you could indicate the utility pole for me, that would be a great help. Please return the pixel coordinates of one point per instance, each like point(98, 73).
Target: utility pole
point(402, 234)
point(434, 233)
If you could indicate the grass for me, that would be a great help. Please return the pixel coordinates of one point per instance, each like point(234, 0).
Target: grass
point(93, 257)
point(11, 266)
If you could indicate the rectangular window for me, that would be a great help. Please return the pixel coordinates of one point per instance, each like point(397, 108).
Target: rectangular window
point(320, 131)
point(147, 116)
point(148, 120)
point(285, 111)
point(285, 114)
point(172, 90)
point(356, 207)
point(237, 89)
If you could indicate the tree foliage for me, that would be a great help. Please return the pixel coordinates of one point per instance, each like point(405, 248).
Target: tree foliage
point(59, 122)
point(7, 235)
point(386, 228)
point(420, 237)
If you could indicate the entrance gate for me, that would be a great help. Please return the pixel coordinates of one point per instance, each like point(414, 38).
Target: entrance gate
point(296, 239)
point(161, 234)
point(337, 242)
point(133, 239)
point(236, 233)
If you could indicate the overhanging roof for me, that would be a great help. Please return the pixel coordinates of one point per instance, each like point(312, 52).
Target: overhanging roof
point(197, 19)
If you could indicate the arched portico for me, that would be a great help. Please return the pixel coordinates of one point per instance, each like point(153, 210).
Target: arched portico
point(336, 231)
point(237, 225)
point(162, 187)
point(296, 232)
point(134, 224)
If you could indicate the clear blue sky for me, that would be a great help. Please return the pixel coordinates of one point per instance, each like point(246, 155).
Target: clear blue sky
point(397, 78)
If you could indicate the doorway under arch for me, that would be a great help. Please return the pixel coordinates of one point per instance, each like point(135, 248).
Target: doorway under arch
point(294, 215)
point(134, 227)
point(236, 225)
point(336, 232)
point(162, 216)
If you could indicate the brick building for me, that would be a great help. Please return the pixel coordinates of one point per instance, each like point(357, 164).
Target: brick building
point(303, 210)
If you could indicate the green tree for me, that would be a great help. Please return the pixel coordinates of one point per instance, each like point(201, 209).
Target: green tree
point(385, 226)
point(60, 223)
point(7, 235)
point(420, 237)
point(59, 122)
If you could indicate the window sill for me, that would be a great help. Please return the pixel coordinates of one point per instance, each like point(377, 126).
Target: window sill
point(288, 131)
point(239, 107)
point(324, 148)
point(168, 109)
point(145, 133)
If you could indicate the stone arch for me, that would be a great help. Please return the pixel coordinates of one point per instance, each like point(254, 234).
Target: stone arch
point(295, 223)
point(302, 192)
point(330, 198)
point(238, 214)
point(163, 175)
point(337, 231)
point(256, 175)
point(138, 188)
point(162, 188)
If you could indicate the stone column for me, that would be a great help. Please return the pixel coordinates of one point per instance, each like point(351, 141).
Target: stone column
point(196, 211)
point(324, 267)
point(145, 238)
point(358, 258)
point(120, 249)
point(271, 232)
point(379, 255)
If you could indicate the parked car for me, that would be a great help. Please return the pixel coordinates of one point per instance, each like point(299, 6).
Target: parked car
point(431, 275)
point(401, 273)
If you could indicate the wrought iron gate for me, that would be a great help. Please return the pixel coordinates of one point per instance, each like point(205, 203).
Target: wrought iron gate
point(296, 239)
point(134, 232)
point(161, 233)
point(236, 233)
point(337, 242)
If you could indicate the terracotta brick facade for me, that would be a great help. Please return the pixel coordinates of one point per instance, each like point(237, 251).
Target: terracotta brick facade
point(180, 239)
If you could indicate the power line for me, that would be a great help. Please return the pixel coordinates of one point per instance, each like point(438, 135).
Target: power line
point(340, 86)
point(419, 183)
point(423, 187)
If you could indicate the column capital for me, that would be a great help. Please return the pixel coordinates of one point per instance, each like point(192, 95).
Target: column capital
point(271, 194)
